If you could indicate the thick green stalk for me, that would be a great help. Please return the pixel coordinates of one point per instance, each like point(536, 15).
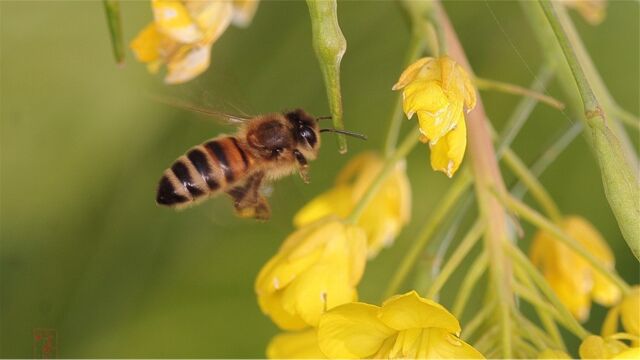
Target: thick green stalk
point(112, 10)
point(329, 45)
point(618, 164)
point(487, 176)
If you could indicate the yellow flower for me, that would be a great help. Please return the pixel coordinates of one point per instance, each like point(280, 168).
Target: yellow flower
point(628, 311)
point(438, 90)
point(593, 11)
point(406, 326)
point(572, 278)
point(183, 32)
point(596, 347)
point(316, 269)
point(385, 215)
point(295, 345)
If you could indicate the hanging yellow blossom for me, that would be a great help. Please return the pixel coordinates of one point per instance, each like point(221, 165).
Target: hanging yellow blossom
point(317, 268)
point(572, 278)
point(628, 312)
point(386, 214)
point(295, 345)
point(438, 90)
point(183, 32)
point(593, 11)
point(596, 347)
point(406, 326)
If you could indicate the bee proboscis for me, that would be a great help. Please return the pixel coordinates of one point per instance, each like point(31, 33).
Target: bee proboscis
point(265, 148)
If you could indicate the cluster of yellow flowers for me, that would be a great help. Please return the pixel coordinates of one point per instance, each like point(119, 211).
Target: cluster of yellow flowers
point(183, 32)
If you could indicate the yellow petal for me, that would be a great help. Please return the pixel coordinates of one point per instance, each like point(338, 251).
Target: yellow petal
point(211, 17)
point(244, 11)
point(448, 152)
point(335, 201)
point(173, 19)
point(633, 353)
point(610, 324)
point(595, 347)
point(145, 46)
point(426, 96)
point(352, 331)
point(298, 345)
point(426, 67)
point(630, 312)
point(271, 304)
point(409, 310)
point(438, 343)
point(553, 354)
point(187, 63)
point(357, 249)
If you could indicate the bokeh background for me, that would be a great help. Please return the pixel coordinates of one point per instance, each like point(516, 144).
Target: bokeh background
point(84, 249)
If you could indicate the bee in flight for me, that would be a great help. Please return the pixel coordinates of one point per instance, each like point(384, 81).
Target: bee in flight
point(264, 148)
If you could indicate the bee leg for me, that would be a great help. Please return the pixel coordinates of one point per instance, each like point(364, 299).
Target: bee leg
point(303, 166)
point(248, 201)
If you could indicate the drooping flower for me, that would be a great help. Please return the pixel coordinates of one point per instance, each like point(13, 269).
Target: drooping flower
point(386, 214)
point(593, 11)
point(183, 32)
point(295, 345)
point(596, 347)
point(316, 269)
point(572, 278)
point(406, 326)
point(438, 90)
point(628, 313)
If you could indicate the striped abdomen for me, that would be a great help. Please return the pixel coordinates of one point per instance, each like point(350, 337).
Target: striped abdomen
point(203, 171)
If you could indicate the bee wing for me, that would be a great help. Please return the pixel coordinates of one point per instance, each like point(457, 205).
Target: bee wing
point(219, 116)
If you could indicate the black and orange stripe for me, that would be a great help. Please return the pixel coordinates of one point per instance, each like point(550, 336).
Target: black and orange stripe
point(203, 171)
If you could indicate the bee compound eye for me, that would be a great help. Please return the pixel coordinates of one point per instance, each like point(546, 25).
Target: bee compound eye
point(308, 134)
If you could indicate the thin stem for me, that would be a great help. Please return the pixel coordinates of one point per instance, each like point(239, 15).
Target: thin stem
point(488, 84)
point(329, 45)
point(474, 324)
point(542, 223)
point(533, 333)
point(521, 260)
point(476, 270)
point(627, 117)
point(407, 144)
point(467, 243)
point(112, 10)
point(621, 183)
point(531, 182)
point(545, 318)
point(549, 156)
point(415, 48)
point(455, 191)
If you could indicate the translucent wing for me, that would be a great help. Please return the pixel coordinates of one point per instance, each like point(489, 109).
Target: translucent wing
point(220, 116)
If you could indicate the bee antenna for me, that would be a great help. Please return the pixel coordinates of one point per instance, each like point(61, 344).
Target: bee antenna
point(346, 132)
point(324, 118)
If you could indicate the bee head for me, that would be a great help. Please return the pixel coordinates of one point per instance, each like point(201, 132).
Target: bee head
point(305, 130)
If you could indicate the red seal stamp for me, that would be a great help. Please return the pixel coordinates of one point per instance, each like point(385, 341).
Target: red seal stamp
point(45, 344)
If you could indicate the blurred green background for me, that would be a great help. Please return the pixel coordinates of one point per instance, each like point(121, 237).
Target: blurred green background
point(84, 249)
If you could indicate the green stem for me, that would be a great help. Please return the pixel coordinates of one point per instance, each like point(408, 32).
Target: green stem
point(521, 260)
point(621, 183)
point(627, 117)
point(478, 319)
point(531, 182)
point(329, 45)
point(401, 152)
point(112, 10)
point(415, 48)
point(467, 243)
point(542, 223)
point(455, 191)
point(545, 318)
point(488, 84)
point(476, 270)
point(533, 333)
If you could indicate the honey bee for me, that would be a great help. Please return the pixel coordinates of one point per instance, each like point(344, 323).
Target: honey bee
point(264, 148)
